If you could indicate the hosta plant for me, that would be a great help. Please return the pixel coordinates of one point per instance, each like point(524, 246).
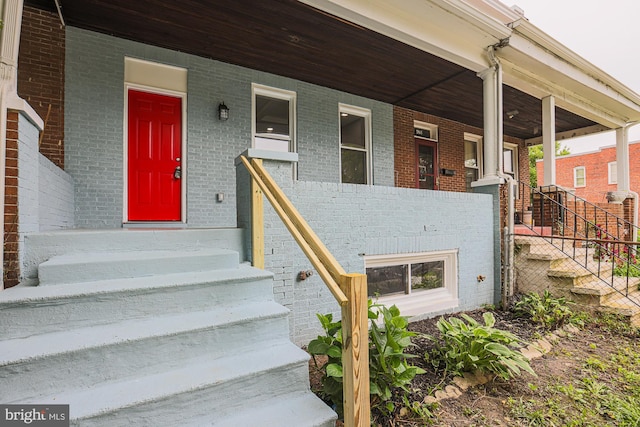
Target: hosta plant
point(465, 345)
point(389, 341)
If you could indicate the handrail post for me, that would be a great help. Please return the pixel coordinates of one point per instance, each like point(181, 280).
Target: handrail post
point(257, 224)
point(355, 351)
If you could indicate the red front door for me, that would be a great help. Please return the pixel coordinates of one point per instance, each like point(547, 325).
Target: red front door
point(154, 157)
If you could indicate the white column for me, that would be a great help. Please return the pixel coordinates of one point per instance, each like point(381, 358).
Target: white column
point(622, 158)
point(491, 131)
point(549, 139)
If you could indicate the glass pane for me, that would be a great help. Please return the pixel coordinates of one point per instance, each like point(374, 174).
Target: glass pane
point(272, 116)
point(470, 176)
point(352, 132)
point(354, 167)
point(426, 160)
point(470, 154)
point(427, 275)
point(386, 280)
point(508, 161)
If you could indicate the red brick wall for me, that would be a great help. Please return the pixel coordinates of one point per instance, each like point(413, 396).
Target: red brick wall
point(596, 172)
point(450, 149)
point(11, 261)
point(41, 76)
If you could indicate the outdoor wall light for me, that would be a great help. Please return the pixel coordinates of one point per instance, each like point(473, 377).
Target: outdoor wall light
point(223, 112)
point(511, 114)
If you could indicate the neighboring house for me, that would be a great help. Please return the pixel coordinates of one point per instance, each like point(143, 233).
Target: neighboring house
point(591, 175)
point(382, 122)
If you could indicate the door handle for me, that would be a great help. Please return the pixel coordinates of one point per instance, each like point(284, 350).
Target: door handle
point(177, 173)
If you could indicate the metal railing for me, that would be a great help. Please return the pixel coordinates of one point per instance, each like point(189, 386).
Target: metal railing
point(350, 290)
point(596, 239)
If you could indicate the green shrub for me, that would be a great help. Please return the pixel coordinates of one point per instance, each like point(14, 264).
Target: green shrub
point(467, 346)
point(388, 367)
point(545, 310)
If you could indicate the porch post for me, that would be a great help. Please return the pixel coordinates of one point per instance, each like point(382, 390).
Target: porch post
point(490, 141)
point(549, 139)
point(622, 158)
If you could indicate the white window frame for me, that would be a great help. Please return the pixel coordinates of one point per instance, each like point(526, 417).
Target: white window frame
point(575, 176)
point(366, 114)
point(507, 146)
point(422, 302)
point(271, 92)
point(433, 130)
point(612, 168)
point(478, 140)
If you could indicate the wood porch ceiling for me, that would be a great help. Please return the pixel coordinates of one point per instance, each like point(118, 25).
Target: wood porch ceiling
point(291, 39)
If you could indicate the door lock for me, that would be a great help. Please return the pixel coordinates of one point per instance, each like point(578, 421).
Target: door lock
point(177, 173)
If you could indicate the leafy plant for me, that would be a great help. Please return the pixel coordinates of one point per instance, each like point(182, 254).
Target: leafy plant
point(389, 340)
point(544, 309)
point(467, 346)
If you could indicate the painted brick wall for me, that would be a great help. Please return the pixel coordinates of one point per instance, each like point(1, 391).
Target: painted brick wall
point(42, 51)
point(596, 171)
point(353, 220)
point(55, 207)
point(94, 154)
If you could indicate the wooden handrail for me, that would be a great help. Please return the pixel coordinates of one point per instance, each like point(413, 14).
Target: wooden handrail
point(350, 290)
point(305, 237)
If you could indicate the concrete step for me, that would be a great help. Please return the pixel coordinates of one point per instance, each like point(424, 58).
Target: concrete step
point(39, 247)
point(197, 391)
point(300, 410)
point(28, 310)
point(85, 267)
point(625, 307)
point(79, 358)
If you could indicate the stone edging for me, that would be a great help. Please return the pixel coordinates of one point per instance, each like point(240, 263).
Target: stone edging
point(532, 351)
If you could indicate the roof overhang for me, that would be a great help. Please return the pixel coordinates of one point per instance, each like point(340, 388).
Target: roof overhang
point(417, 54)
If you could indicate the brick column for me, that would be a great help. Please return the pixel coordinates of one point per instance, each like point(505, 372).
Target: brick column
point(11, 254)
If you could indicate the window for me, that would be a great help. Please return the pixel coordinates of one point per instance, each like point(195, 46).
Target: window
point(419, 283)
point(579, 177)
point(613, 173)
point(472, 159)
point(273, 119)
point(355, 143)
point(510, 160)
point(425, 130)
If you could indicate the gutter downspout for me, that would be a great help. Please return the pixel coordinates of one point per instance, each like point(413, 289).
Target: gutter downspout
point(509, 249)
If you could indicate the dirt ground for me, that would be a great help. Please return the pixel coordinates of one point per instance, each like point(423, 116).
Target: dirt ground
point(510, 403)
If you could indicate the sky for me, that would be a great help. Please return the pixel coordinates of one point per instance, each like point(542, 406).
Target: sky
point(605, 33)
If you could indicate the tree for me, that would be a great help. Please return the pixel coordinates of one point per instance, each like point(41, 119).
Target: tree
point(535, 153)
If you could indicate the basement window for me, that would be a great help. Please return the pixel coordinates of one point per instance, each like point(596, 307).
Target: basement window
point(417, 283)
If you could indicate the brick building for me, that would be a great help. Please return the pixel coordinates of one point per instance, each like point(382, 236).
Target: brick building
point(592, 175)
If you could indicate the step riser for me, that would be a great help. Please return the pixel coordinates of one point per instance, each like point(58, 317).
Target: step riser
point(185, 408)
point(52, 315)
point(109, 267)
point(40, 247)
point(81, 369)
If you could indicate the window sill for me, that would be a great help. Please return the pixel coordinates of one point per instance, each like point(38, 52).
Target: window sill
point(421, 304)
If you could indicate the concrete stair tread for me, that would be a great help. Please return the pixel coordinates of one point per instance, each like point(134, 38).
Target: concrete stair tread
point(296, 409)
point(623, 305)
point(33, 294)
point(114, 396)
point(23, 349)
point(598, 287)
point(108, 256)
point(86, 266)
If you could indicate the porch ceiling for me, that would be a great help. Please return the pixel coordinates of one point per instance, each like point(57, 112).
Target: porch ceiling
point(289, 38)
